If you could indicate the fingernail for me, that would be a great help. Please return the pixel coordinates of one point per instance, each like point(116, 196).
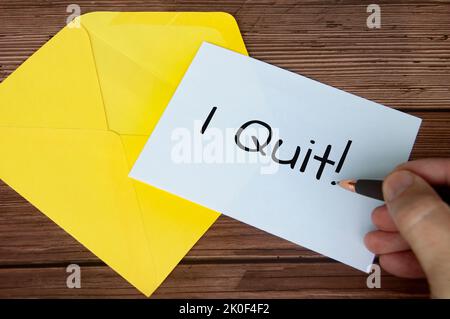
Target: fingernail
point(396, 183)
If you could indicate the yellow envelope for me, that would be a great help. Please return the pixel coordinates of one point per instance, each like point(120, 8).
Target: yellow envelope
point(74, 118)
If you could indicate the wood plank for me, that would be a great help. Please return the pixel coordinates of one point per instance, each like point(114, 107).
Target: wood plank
point(28, 237)
point(283, 280)
point(405, 64)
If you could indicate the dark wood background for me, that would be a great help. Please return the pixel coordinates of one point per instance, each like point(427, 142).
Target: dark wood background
point(404, 65)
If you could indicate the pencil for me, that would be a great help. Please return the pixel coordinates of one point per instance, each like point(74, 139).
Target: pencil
point(373, 188)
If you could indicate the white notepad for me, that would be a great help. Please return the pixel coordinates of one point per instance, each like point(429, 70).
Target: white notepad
point(218, 145)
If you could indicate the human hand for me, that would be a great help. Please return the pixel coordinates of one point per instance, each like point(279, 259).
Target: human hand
point(413, 236)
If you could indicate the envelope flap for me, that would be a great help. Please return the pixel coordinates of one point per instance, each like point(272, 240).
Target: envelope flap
point(142, 56)
point(56, 87)
point(79, 179)
point(173, 224)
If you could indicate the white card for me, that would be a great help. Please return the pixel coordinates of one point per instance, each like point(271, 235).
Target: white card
point(244, 107)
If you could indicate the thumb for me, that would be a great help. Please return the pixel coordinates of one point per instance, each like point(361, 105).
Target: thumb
point(423, 220)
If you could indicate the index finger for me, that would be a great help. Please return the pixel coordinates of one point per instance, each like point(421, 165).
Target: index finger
point(434, 170)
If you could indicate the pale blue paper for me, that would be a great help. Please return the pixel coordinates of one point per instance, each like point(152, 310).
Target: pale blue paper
point(292, 205)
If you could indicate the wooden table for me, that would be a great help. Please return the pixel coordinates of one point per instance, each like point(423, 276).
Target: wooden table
point(405, 65)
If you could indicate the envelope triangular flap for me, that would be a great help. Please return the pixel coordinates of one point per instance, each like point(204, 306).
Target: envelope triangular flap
point(173, 225)
point(78, 178)
point(57, 87)
point(142, 56)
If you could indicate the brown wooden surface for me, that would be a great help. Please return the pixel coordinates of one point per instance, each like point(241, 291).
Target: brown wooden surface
point(405, 65)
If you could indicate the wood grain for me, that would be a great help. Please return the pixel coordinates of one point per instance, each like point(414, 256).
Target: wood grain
point(213, 280)
point(405, 65)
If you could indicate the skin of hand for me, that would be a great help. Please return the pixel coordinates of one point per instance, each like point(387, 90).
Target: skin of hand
point(413, 227)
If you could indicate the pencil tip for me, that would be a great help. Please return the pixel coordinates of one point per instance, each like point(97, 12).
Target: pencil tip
point(348, 184)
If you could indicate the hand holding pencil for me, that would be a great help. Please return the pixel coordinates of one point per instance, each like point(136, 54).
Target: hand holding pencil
point(413, 235)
